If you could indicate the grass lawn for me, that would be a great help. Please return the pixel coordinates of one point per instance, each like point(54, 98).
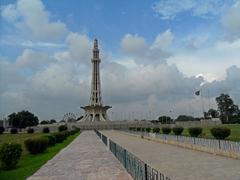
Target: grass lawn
point(29, 163)
point(235, 132)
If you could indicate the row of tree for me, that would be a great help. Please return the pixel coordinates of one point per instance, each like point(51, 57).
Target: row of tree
point(228, 112)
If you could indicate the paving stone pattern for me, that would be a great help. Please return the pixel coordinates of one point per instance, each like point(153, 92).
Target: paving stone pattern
point(176, 162)
point(86, 158)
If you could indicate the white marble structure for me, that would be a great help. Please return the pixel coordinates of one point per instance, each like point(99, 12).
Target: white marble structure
point(95, 111)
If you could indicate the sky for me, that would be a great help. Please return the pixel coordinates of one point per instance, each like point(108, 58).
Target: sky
point(155, 55)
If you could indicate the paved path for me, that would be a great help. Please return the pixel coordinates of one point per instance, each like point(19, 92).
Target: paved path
point(86, 158)
point(176, 162)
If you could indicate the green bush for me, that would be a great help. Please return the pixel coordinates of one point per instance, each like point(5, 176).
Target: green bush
point(156, 130)
point(46, 130)
point(36, 145)
point(14, 131)
point(51, 140)
point(74, 131)
point(166, 130)
point(60, 136)
point(148, 129)
point(220, 132)
point(2, 129)
point(10, 154)
point(195, 131)
point(30, 130)
point(62, 128)
point(138, 129)
point(177, 130)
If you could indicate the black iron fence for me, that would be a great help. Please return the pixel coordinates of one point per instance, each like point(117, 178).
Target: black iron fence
point(215, 144)
point(138, 169)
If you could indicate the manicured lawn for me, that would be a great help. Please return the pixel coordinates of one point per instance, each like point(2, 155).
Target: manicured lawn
point(28, 163)
point(235, 132)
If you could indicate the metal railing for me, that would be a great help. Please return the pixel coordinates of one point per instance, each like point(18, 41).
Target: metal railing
point(215, 144)
point(138, 169)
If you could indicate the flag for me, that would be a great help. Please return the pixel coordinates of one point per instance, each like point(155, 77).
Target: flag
point(197, 93)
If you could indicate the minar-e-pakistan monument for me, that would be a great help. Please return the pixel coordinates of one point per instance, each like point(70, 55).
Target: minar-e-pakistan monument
point(95, 111)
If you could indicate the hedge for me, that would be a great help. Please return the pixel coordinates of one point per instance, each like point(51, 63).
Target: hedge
point(62, 128)
point(156, 130)
point(30, 130)
point(46, 130)
point(36, 145)
point(14, 131)
point(166, 130)
point(220, 132)
point(177, 130)
point(195, 131)
point(2, 129)
point(10, 154)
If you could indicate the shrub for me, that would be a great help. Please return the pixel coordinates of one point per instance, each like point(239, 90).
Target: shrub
point(51, 140)
point(2, 129)
point(156, 130)
point(62, 128)
point(166, 130)
point(143, 129)
point(60, 137)
point(36, 145)
point(10, 154)
point(30, 130)
point(148, 129)
point(14, 131)
point(138, 129)
point(46, 130)
point(220, 132)
point(195, 131)
point(177, 130)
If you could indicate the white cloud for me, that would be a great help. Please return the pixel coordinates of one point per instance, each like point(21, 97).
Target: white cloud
point(231, 20)
point(133, 44)
point(209, 61)
point(163, 41)
point(79, 49)
point(32, 16)
point(168, 9)
point(10, 13)
point(230, 85)
point(33, 60)
point(143, 53)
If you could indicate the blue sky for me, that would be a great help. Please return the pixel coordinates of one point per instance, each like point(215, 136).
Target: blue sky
point(178, 44)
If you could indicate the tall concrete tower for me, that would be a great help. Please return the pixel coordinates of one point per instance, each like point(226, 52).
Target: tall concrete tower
point(95, 111)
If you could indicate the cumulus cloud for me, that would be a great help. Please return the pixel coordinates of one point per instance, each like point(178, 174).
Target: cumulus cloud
point(32, 15)
point(231, 21)
point(79, 49)
point(220, 55)
point(33, 60)
point(143, 53)
point(169, 9)
point(230, 85)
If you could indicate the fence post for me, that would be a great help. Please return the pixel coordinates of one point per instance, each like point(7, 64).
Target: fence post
point(219, 144)
point(146, 173)
point(125, 158)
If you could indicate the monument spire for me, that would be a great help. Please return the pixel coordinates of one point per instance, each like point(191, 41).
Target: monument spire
point(95, 111)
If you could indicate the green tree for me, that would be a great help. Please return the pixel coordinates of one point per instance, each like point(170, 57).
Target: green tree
point(185, 118)
point(213, 113)
point(227, 108)
point(44, 122)
point(52, 121)
point(165, 120)
point(22, 119)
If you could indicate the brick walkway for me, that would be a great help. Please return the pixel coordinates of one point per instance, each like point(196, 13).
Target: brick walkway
point(86, 158)
point(176, 162)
